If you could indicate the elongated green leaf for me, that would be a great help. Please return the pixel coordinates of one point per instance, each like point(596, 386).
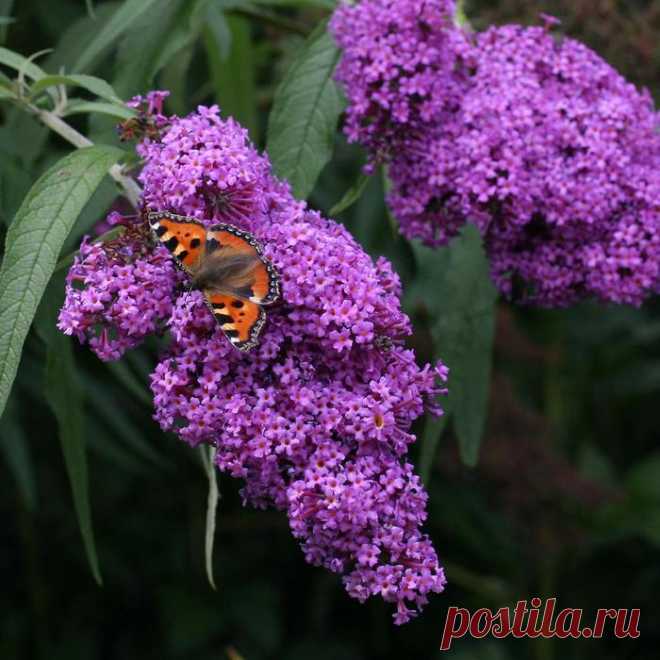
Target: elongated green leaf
point(323, 4)
point(65, 397)
point(175, 77)
point(230, 54)
point(6, 7)
point(78, 36)
point(127, 378)
point(305, 113)
point(433, 430)
point(122, 20)
point(124, 430)
point(151, 43)
point(14, 445)
point(23, 137)
point(351, 196)
point(15, 61)
point(208, 460)
point(92, 84)
point(34, 241)
point(455, 285)
point(89, 4)
point(15, 181)
point(76, 107)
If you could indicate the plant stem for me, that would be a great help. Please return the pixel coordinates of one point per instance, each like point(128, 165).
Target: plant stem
point(460, 17)
point(131, 190)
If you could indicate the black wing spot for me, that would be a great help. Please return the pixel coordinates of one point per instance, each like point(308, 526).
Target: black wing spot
point(172, 243)
point(212, 245)
point(231, 333)
point(195, 243)
point(161, 230)
point(182, 255)
point(237, 303)
point(218, 305)
point(223, 318)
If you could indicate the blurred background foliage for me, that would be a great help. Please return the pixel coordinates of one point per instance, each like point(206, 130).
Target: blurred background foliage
point(565, 499)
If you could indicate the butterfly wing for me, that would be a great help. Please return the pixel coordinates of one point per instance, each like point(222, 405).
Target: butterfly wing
point(184, 237)
point(263, 285)
point(241, 320)
point(228, 265)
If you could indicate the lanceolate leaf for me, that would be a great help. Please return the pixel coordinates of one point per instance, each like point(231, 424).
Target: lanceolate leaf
point(429, 441)
point(6, 7)
point(78, 37)
point(34, 241)
point(208, 461)
point(350, 196)
point(92, 84)
point(232, 67)
point(77, 106)
point(305, 113)
point(14, 445)
point(151, 43)
point(454, 285)
point(122, 20)
point(20, 64)
point(65, 397)
point(463, 332)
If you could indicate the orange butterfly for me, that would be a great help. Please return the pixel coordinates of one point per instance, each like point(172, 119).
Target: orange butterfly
point(228, 266)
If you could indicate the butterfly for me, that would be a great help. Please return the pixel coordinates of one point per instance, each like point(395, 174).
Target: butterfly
point(227, 265)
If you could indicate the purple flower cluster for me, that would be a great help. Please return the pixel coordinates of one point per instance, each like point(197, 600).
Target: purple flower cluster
point(117, 293)
point(316, 419)
point(203, 164)
point(538, 141)
point(398, 68)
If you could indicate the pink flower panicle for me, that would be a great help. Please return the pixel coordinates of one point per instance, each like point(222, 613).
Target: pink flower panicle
point(398, 68)
point(316, 419)
point(539, 142)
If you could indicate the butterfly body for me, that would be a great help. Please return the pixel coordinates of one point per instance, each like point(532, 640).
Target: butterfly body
point(228, 266)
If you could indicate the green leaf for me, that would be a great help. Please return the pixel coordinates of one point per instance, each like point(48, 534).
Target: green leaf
point(24, 137)
point(34, 241)
point(351, 196)
point(77, 106)
point(14, 445)
point(429, 441)
point(22, 64)
point(124, 431)
point(151, 43)
point(15, 181)
point(64, 395)
point(6, 7)
point(323, 4)
point(122, 20)
point(455, 285)
point(78, 36)
point(175, 78)
point(92, 84)
point(208, 461)
point(90, 8)
point(305, 113)
point(230, 54)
